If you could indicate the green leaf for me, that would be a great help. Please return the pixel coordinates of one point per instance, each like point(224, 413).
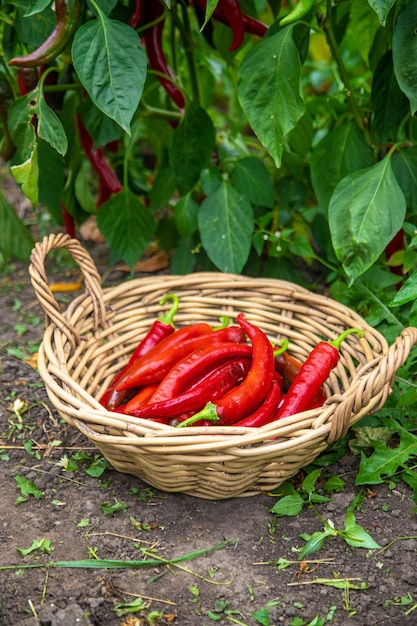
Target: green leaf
point(50, 128)
point(192, 145)
point(342, 152)
point(385, 461)
point(162, 189)
point(382, 8)
point(389, 102)
point(269, 90)
point(313, 544)
point(251, 178)
point(407, 292)
point(225, 222)
point(21, 129)
point(52, 172)
point(28, 488)
point(261, 616)
point(288, 506)
point(404, 165)
point(362, 28)
point(15, 239)
point(26, 174)
point(356, 536)
point(127, 225)
point(111, 509)
point(366, 210)
point(33, 29)
point(185, 212)
point(404, 48)
point(43, 545)
point(111, 64)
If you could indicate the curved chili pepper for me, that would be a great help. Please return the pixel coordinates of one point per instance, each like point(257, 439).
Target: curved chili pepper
point(254, 26)
point(68, 220)
point(246, 397)
point(157, 61)
point(161, 328)
point(158, 363)
point(109, 183)
point(298, 12)
point(266, 411)
point(232, 13)
point(211, 386)
point(313, 374)
point(197, 363)
point(67, 15)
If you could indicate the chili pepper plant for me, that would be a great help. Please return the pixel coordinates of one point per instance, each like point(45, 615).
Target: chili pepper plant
point(271, 138)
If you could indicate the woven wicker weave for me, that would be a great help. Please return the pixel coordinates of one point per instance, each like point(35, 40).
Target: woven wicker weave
point(84, 346)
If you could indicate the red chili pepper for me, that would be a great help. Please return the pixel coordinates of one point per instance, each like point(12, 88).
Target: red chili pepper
point(67, 15)
point(157, 61)
point(313, 374)
point(161, 328)
point(211, 386)
point(246, 397)
point(136, 14)
point(232, 13)
point(289, 367)
point(107, 176)
point(195, 365)
point(156, 365)
point(69, 222)
point(267, 410)
point(239, 26)
point(254, 26)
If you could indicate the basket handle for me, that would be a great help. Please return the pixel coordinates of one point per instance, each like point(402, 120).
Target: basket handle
point(40, 283)
point(372, 382)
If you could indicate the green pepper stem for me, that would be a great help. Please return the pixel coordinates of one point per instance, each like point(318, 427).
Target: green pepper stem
point(209, 413)
point(284, 343)
point(169, 315)
point(337, 342)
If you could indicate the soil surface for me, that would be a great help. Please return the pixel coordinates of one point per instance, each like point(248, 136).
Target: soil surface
point(53, 509)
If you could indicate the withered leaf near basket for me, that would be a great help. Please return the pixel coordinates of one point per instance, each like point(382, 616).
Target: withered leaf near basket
point(85, 346)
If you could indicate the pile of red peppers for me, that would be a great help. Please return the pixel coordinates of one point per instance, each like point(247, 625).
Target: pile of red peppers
point(232, 375)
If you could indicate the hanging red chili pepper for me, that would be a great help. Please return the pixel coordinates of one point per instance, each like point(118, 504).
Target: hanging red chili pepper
point(27, 79)
point(108, 181)
point(231, 15)
point(137, 13)
point(67, 15)
point(161, 328)
point(210, 386)
point(155, 365)
point(152, 37)
point(313, 374)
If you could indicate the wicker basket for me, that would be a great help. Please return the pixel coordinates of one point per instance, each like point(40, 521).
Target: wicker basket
point(84, 346)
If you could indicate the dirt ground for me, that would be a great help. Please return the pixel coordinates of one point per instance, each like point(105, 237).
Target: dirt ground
point(244, 582)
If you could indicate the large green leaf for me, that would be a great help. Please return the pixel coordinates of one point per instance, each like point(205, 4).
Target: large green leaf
point(269, 90)
point(362, 28)
point(127, 225)
point(225, 221)
point(342, 152)
point(365, 212)
point(389, 102)
point(382, 8)
point(404, 164)
point(404, 48)
point(50, 128)
point(21, 129)
point(385, 461)
point(111, 64)
point(15, 239)
point(192, 145)
point(251, 178)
